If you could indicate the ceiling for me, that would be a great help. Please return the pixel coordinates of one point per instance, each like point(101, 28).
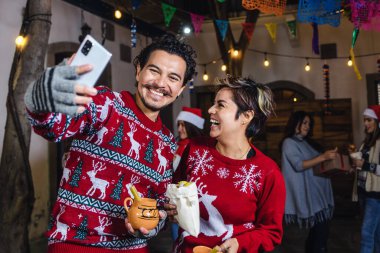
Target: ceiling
point(149, 17)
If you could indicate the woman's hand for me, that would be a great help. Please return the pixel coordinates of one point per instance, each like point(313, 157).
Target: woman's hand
point(357, 163)
point(229, 246)
point(171, 211)
point(330, 154)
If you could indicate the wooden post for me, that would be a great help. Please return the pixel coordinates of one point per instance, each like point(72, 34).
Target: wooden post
point(17, 192)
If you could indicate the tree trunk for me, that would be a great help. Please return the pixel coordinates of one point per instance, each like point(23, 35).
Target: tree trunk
point(234, 65)
point(17, 193)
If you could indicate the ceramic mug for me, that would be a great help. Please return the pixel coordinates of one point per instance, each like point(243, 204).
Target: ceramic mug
point(202, 249)
point(142, 213)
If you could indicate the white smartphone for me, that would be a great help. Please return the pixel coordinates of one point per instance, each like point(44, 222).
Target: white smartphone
point(91, 52)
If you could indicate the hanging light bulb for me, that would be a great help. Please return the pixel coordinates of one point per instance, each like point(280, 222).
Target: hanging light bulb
point(235, 53)
point(223, 67)
point(349, 62)
point(20, 41)
point(186, 30)
point(307, 66)
point(118, 14)
point(205, 75)
point(266, 62)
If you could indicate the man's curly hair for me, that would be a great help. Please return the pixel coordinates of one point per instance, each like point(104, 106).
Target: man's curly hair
point(170, 44)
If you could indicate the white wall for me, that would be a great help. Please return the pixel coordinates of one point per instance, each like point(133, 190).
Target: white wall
point(343, 81)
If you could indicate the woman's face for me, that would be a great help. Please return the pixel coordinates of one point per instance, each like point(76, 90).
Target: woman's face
point(182, 130)
point(303, 127)
point(222, 116)
point(369, 124)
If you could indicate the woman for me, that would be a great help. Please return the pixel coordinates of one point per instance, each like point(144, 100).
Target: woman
point(368, 181)
point(309, 198)
point(190, 124)
point(241, 191)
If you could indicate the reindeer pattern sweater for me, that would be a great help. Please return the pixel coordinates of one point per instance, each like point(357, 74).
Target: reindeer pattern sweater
point(114, 145)
point(242, 199)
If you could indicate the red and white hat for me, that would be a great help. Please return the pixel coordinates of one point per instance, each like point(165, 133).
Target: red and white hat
point(373, 111)
point(192, 115)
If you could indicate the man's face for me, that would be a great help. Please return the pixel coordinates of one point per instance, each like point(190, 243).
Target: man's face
point(159, 82)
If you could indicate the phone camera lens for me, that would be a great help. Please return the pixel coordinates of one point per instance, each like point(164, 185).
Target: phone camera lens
point(86, 47)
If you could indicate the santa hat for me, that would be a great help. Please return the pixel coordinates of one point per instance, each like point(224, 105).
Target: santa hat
point(373, 111)
point(192, 115)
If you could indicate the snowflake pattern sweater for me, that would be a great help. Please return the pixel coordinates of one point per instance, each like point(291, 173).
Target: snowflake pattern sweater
point(242, 199)
point(114, 145)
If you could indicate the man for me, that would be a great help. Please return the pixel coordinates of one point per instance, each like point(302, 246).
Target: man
point(118, 141)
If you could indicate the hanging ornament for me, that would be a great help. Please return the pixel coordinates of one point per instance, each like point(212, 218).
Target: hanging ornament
point(133, 33)
point(326, 79)
point(315, 40)
point(355, 35)
point(136, 4)
point(355, 67)
point(191, 86)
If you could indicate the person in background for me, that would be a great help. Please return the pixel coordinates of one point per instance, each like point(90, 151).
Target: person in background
point(189, 124)
point(241, 191)
point(119, 140)
point(368, 180)
point(309, 198)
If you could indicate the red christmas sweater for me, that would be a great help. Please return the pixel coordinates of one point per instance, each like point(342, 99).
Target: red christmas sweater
point(242, 199)
point(114, 145)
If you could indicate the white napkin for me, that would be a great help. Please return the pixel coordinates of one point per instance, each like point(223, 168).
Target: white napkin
point(186, 200)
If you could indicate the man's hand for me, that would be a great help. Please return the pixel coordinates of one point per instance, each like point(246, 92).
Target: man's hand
point(57, 90)
point(145, 233)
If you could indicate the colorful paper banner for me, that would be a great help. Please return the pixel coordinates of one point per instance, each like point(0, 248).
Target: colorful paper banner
point(168, 11)
point(222, 27)
point(272, 30)
point(197, 21)
point(248, 29)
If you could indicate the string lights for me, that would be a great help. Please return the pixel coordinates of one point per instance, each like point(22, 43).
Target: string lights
point(349, 62)
point(205, 75)
point(223, 67)
point(307, 66)
point(266, 62)
point(118, 14)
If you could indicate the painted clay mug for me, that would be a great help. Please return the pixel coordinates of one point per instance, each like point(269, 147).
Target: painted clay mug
point(204, 249)
point(142, 213)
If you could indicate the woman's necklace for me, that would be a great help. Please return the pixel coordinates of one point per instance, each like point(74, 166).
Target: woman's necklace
point(239, 158)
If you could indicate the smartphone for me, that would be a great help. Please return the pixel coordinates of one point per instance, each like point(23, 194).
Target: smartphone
point(91, 52)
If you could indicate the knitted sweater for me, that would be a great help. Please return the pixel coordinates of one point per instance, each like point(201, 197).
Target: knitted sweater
point(309, 198)
point(114, 145)
point(242, 199)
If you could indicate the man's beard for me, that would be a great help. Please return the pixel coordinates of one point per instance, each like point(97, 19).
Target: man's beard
point(146, 104)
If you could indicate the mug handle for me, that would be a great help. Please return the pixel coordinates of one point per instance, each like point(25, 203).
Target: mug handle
point(125, 203)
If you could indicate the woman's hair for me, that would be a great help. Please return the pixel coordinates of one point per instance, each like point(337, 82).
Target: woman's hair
point(294, 123)
point(249, 95)
point(192, 131)
point(170, 44)
point(371, 138)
